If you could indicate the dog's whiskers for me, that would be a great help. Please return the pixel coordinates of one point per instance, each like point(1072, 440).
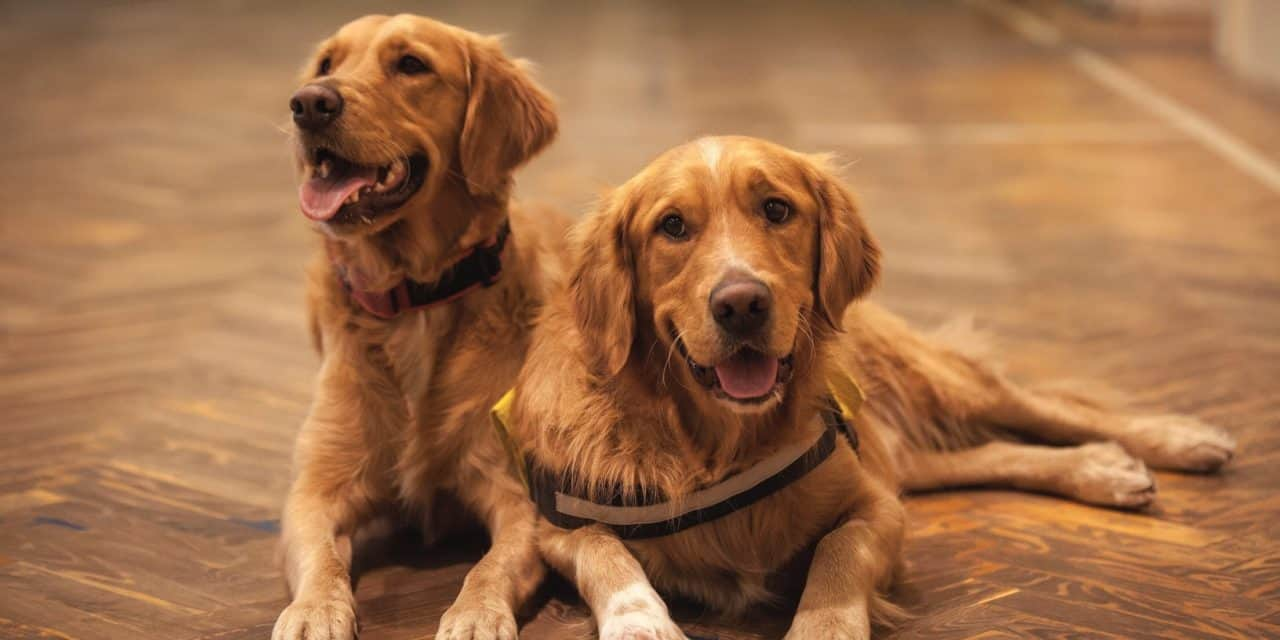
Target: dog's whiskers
point(287, 129)
point(806, 331)
point(662, 378)
point(464, 179)
point(648, 356)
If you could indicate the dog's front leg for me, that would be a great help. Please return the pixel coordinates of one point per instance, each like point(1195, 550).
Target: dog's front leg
point(850, 566)
point(317, 559)
point(611, 581)
point(507, 575)
point(331, 495)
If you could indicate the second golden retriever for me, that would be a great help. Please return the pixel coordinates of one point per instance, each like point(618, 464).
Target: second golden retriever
point(422, 297)
point(692, 364)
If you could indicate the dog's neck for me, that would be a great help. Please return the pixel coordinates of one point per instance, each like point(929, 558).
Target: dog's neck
point(423, 243)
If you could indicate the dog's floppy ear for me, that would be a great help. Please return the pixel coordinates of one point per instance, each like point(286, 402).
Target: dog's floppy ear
point(846, 257)
point(602, 288)
point(509, 117)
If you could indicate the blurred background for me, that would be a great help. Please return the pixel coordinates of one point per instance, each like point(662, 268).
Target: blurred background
point(1096, 182)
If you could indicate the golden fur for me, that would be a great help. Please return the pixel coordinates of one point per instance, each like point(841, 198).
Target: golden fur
point(399, 422)
point(605, 397)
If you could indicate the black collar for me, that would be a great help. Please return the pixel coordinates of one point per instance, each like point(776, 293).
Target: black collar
point(480, 268)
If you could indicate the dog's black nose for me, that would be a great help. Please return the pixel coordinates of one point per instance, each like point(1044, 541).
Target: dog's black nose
point(315, 106)
point(741, 305)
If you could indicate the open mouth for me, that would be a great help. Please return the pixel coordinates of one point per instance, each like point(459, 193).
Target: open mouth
point(338, 191)
point(747, 376)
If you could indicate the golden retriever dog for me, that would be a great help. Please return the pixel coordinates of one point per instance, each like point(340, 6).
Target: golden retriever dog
point(421, 302)
point(708, 311)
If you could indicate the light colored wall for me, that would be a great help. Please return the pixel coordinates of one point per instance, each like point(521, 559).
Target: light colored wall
point(1248, 38)
point(1164, 8)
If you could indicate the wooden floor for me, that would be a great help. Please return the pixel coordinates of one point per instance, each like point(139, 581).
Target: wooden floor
point(1102, 197)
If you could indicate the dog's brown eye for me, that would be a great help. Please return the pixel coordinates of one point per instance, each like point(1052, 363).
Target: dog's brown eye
point(412, 66)
point(777, 210)
point(673, 226)
point(323, 69)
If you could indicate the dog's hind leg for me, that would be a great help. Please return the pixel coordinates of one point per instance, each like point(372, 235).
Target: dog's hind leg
point(947, 394)
point(1099, 473)
point(1164, 441)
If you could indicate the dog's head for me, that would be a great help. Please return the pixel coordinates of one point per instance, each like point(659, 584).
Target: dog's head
point(737, 254)
point(393, 109)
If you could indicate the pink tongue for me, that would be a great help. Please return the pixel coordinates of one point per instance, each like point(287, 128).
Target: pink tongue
point(748, 374)
point(321, 198)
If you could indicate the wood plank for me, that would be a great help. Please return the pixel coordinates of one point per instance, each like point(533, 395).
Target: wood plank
point(154, 362)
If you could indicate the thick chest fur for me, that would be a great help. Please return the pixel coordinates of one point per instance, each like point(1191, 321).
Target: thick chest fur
point(446, 370)
point(731, 563)
point(413, 351)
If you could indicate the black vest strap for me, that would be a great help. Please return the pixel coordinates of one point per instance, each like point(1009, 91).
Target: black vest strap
point(544, 486)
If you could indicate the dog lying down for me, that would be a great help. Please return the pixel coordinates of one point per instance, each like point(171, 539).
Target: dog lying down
point(690, 415)
point(422, 299)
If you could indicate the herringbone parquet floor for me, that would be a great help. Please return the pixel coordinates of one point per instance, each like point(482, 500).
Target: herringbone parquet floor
point(1099, 195)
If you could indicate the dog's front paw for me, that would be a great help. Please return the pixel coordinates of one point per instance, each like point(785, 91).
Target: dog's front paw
point(477, 619)
point(1103, 473)
point(333, 619)
point(1179, 442)
point(637, 613)
point(640, 625)
point(829, 623)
